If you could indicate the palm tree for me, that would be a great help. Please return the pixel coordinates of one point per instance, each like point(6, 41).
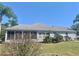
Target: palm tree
point(4, 10)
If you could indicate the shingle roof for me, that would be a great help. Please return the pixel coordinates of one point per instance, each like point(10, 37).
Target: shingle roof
point(37, 27)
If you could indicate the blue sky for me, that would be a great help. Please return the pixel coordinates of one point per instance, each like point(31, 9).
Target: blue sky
point(52, 14)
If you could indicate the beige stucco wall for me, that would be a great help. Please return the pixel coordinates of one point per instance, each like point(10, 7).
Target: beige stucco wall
point(51, 34)
point(72, 35)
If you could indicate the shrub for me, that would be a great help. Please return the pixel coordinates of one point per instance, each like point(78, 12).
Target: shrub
point(47, 39)
point(2, 37)
point(53, 40)
point(21, 48)
point(2, 34)
point(57, 38)
point(77, 38)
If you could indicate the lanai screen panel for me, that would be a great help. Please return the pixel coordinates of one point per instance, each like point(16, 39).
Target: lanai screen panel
point(10, 35)
point(29, 35)
point(25, 35)
point(33, 35)
point(18, 35)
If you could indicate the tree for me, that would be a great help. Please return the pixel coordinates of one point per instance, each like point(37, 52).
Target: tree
point(4, 10)
point(11, 22)
point(2, 34)
point(75, 25)
point(47, 39)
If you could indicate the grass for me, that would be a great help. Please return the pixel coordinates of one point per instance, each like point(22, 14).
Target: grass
point(69, 48)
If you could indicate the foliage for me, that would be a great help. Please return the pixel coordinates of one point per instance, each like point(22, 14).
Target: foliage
point(76, 18)
point(8, 12)
point(47, 39)
point(2, 34)
point(57, 38)
point(11, 15)
point(11, 23)
point(75, 25)
point(21, 48)
point(4, 10)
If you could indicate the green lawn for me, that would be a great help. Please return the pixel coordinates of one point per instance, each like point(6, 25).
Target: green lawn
point(70, 48)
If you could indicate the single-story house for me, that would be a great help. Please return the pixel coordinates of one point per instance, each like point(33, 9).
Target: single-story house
point(36, 32)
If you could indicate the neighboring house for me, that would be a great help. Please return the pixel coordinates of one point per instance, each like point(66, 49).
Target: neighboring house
point(36, 32)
